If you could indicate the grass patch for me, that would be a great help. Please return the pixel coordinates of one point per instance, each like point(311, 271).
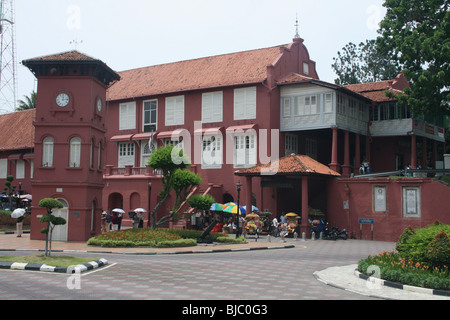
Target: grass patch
point(54, 261)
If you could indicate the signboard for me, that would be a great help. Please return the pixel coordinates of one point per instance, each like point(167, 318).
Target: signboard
point(366, 221)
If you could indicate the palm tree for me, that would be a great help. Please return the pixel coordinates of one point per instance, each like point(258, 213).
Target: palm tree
point(29, 103)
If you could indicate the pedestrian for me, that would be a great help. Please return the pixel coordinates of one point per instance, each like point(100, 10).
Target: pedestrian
point(283, 218)
point(135, 218)
point(120, 217)
point(275, 227)
point(19, 226)
point(104, 223)
point(115, 221)
point(141, 218)
point(108, 221)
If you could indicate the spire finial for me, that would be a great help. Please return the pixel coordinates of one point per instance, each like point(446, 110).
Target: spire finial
point(296, 27)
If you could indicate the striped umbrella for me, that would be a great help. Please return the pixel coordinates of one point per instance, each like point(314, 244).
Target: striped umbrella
point(216, 207)
point(233, 208)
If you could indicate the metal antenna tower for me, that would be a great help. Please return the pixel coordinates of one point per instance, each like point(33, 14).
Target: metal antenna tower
point(8, 81)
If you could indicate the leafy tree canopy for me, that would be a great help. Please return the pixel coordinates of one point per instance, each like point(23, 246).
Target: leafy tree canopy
point(363, 63)
point(415, 33)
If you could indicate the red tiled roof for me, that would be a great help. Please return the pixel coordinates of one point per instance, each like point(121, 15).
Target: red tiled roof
point(17, 130)
point(376, 90)
point(246, 67)
point(294, 164)
point(65, 56)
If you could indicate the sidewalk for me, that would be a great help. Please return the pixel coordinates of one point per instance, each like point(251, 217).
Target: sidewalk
point(9, 242)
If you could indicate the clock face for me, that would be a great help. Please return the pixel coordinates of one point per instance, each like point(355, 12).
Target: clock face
point(99, 104)
point(62, 100)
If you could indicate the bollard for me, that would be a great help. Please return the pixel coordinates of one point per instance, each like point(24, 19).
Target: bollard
point(313, 236)
point(295, 236)
point(321, 235)
point(269, 238)
point(304, 236)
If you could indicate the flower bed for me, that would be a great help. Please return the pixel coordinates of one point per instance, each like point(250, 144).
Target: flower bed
point(421, 258)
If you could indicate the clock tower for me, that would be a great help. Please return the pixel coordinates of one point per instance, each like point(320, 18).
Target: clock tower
point(70, 129)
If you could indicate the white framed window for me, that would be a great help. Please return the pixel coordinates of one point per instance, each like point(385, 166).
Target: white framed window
point(75, 153)
point(47, 152)
point(150, 116)
point(177, 142)
point(127, 116)
point(411, 202)
point(286, 108)
point(175, 111)
point(244, 150)
point(146, 151)
point(328, 103)
point(126, 154)
point(245, 103)
point(291, 144)
point(212, 152)
point(20, 169)
point(311, 148)
point(3, 168)
point(212, 107)
point(307, 105)
point(305, 68)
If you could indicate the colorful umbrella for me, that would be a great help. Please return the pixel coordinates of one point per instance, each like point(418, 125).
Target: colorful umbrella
point(216, 207)
point(292, 214)
point(233, 208)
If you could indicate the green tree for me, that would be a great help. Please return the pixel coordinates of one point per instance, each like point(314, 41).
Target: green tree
point(28, 102)
point(183, 183)
point(201, 202)
point(9, 190)
point(415, 33)
point(51, 220)
point(363, 63)
point(168, 159)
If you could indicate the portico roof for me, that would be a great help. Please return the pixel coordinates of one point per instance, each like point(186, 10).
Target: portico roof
point(294, 164)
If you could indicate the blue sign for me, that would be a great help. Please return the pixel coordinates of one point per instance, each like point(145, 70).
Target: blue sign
point(366, 221)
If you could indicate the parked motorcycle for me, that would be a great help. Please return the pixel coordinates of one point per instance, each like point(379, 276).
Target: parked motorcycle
point(340, 233)
point(329, 233)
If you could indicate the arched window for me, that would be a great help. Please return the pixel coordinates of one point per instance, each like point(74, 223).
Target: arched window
point(47, 152)
point(75, 153)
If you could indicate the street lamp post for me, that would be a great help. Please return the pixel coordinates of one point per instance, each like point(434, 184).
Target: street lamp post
point(238, 215)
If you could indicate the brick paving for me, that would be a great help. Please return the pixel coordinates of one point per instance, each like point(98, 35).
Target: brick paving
point(285, 274)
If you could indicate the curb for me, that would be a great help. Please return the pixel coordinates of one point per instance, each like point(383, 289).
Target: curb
point(405, 287)
point(46, 268)
point(153, 253)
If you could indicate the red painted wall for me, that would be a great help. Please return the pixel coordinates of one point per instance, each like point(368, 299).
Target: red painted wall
point(389, 225)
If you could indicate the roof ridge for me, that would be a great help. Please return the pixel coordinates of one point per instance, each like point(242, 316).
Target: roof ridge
point(202, 58)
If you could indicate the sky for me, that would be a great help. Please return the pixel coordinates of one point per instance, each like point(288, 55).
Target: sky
point(138, 33)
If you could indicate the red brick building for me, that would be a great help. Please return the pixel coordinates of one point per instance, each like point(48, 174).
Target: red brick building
point(229, 113)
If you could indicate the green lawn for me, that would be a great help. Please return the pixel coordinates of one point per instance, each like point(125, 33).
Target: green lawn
point(54, 261)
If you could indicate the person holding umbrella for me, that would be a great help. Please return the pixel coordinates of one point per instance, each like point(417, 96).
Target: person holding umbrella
point(19, 215)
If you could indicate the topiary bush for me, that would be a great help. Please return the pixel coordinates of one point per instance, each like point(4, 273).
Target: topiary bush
point(421, 246)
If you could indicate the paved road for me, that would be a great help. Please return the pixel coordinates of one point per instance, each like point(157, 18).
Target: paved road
point(285, 274)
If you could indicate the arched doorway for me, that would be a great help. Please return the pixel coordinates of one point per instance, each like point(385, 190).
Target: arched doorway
point(227, 198)
point(60, 233)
